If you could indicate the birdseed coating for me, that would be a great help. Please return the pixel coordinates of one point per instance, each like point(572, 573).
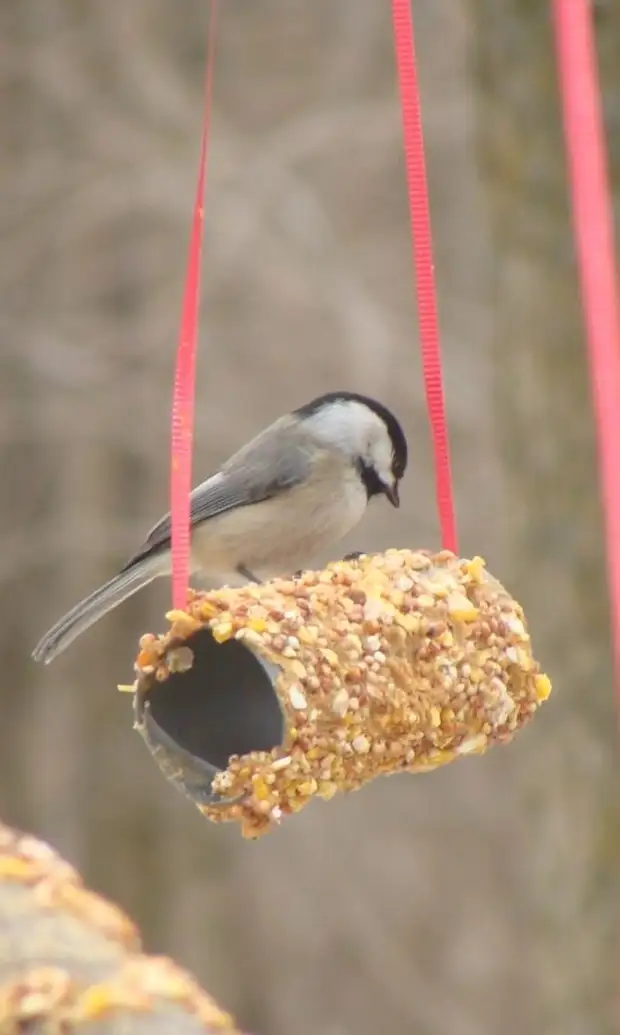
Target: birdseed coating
point(401, 661)
point(72, 961)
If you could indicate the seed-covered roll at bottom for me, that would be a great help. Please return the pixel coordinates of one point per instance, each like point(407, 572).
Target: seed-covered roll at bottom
point(261, 698)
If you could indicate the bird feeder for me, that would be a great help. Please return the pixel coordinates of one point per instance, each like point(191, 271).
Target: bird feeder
point(260, 698)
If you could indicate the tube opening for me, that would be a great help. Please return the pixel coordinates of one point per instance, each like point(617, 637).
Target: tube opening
point(223, 705)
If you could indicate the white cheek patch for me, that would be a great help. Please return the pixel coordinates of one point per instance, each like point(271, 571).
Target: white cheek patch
point(380, 457)
point(358, 431)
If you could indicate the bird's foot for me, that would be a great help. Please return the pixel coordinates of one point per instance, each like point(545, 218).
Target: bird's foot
point(246, 573)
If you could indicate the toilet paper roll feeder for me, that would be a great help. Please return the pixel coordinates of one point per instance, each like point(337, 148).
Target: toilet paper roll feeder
point(260, 698)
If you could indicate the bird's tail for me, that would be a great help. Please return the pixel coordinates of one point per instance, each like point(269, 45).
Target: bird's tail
point(95, 606)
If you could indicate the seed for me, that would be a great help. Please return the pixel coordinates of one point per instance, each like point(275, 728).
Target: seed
point(257, 625)
point(176, 615)
point(373, 608)
point(361, 744)
point(298, 669)
point(297, 698)
point(180, 659)
point(307, 788)
point(281, 763)
point(340, 702)
point(330, 657)
point(411, 623)
point(461, 609)
point(542, 685)
point(472, 745)
point(222, 631)
point(516, 626)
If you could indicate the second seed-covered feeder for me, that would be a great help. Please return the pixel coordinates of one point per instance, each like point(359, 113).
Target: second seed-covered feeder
point(259, 699)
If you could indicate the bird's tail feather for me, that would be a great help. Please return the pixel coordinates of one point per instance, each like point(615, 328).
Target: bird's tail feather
point(95, 606)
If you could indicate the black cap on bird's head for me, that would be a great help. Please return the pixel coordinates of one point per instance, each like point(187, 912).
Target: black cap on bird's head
point(368, 432)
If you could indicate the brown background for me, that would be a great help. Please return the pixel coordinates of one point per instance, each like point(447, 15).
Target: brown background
point(481, 899)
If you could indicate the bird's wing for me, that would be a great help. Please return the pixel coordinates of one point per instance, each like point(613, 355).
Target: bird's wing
point(260, 470)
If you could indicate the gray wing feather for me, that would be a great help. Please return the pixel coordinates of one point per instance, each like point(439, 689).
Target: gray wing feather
point(260, 470)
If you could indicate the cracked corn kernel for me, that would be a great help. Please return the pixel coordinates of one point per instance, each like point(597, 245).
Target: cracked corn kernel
point(475, 569)
point(543, 687)
point(395, 662)
point(308, 634)
point(257, 625)
point(411, 623)
point(222, 631)
point(307, 788)
point(461, 608)
point(260, 787)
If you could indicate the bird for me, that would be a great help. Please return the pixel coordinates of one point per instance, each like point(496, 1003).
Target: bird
point(296, 488)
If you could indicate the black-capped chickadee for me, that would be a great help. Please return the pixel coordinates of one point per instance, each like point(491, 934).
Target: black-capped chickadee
point(299, 486)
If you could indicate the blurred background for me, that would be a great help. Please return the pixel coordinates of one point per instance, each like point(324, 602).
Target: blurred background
point(482, 898)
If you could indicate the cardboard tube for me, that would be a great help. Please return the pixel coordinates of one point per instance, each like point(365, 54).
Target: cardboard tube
point(261, 698)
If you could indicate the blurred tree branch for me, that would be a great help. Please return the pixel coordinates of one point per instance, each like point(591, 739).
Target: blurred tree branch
point(69, 958)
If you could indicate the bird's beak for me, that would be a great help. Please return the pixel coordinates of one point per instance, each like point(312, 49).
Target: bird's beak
point(392, 494)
